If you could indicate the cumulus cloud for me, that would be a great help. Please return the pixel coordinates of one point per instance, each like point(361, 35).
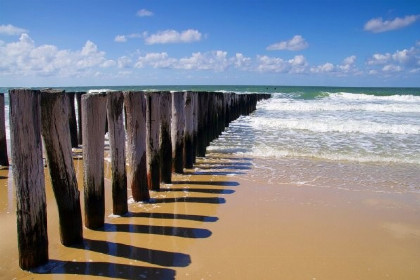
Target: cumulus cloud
point(144, 13)
point(124, 38)
point(297, 43)
point(8, 29)
point(120, 38)
point(348, 66)
point(377, 25)
point(217, 61)
point(298, 64)
point(24, 57)
point(173, 36)
point(400, 60)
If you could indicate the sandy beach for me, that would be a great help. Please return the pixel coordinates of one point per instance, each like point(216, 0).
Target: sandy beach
point(219, 221)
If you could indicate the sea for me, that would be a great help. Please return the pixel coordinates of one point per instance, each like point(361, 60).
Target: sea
point(349, 138)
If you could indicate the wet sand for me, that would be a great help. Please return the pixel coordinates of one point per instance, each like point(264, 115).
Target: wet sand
point(216, 223)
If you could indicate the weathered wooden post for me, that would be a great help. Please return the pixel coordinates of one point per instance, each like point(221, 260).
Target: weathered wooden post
point(28, 177)
point(4, 159)
point(115, 104)
point(189, 130)
point(195, 124)
point(56, 134)
point(135, 104)
point(72, 120)
point(152, 139)
point(79, 117)
point(177, 131)
point(165, 137)
point(93, 127)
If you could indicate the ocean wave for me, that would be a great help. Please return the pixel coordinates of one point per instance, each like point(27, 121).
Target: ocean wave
point(299, 106)
point(265, 151)
point(322, 126)
point(370, 97)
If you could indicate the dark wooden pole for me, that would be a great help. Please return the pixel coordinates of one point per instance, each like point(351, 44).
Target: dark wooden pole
point(177, 131)
point(195, 124)
point(189, 128)
point(4, 159)
point(115, 113)
point(72, 120)
point(165, 137)
point(28, 177)
point(56, 134)
point(135, 104)
point(152, 139)
point(93, 127)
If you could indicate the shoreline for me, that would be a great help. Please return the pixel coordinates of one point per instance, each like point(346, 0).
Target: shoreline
point(219, 221)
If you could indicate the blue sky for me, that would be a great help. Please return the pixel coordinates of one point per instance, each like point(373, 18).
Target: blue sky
point(154, 42)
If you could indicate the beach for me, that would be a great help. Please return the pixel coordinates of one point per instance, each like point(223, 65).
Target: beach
point(219, 221)
point(317, 183)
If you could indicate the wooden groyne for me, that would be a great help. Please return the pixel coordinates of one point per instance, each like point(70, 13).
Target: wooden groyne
point(163, 132)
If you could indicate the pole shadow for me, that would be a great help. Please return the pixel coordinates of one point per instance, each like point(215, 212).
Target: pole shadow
point(197, 218)
point(183, 232)
point(158, 257)
point(197, 190)
point(210, 183)
point(105, 269)
point(219, 173)
point(206, 200)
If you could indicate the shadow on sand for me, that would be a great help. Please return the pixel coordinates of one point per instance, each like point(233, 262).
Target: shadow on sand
point(158, 257)
point(172, 216)
point(184, 232)
point(105, 269)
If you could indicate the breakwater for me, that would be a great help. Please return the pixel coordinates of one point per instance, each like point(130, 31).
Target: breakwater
point(161, 129)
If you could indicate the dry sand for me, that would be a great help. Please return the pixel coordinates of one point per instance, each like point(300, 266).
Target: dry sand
point(216, 223)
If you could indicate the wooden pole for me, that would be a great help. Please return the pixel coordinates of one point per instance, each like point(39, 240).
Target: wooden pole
point(72, 120)
point(4, 159)
point(28, 177)
point(165, 137)
point(115, 104)
point(93, 127)
point(195, 124)
point(135, 104)
point(79, 117)
point(56, 135)
point(177, 132)
point(189, 130)
point(152, 139)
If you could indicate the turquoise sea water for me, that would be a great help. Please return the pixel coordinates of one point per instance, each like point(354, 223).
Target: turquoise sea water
point(357, 138)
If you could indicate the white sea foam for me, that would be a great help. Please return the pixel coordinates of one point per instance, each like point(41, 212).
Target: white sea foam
point(369, 97)
point(328, 105)
point(334, 125)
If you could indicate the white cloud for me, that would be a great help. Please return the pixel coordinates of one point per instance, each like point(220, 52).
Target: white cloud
point(144, 13)
point(215, 60)
point(298, 64)
point(378, 59)
point(124, 38)
point(377, 25)
point(120, 38)
point(399, 61)
point(124, 62)
point(348, 66)
point(173, 36)
point(25, 58)
point(390, 68)
point(297, 43)
point(9, 29)
point(325, 68)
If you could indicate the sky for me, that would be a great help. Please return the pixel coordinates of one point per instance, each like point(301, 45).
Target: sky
point(230, 42)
